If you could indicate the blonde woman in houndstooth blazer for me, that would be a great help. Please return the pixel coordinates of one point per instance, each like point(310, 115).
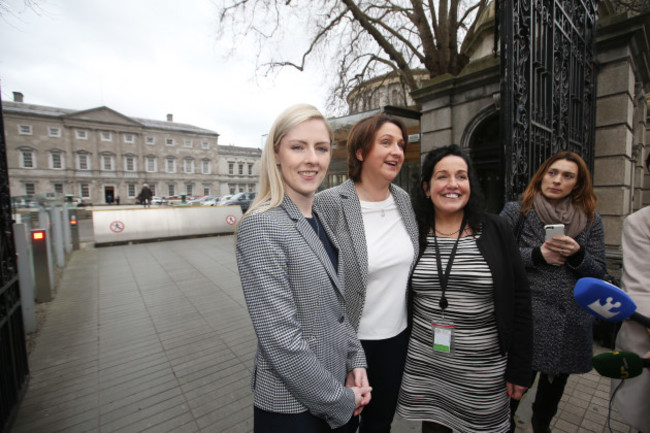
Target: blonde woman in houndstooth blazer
point(292, 279)
point(374, 222)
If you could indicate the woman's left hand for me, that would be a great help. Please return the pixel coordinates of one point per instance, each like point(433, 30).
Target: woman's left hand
point(515, 391)
point(565, 246)
point(358, 378)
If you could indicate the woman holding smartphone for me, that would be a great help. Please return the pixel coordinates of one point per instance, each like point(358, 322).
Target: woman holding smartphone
point(560, 193)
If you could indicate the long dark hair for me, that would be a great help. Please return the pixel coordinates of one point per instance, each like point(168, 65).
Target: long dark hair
point(582, 196)
point(423, 206)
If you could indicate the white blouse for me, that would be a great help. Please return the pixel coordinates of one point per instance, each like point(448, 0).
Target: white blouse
point(390, 253)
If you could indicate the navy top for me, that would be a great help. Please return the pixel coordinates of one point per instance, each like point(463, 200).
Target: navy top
point(329, 248)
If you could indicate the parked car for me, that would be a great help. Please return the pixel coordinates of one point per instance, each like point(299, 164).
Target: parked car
point(211, 200)
point(158, 200)
point(23, 202)
point(243, 199)
point(81, 202)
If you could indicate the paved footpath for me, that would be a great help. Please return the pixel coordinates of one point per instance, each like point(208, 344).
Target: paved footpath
point(156, 337)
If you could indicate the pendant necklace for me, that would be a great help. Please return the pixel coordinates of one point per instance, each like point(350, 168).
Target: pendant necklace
point(446, 234)
point(365, 194)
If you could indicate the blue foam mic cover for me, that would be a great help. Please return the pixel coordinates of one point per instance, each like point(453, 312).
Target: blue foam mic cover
point(603, 300)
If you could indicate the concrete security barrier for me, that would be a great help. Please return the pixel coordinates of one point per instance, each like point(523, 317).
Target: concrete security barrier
point(139, 224)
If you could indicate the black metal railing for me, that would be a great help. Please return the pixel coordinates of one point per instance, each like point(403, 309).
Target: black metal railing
point(14, 369)
point(547, 83)
point(14, 373)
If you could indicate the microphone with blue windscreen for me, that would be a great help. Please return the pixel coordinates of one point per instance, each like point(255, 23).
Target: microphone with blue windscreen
point(606, 301)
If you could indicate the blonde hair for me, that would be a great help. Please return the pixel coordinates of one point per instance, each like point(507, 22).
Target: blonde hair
point(271, 193)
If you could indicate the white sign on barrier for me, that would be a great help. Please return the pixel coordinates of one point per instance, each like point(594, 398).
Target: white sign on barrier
point(133, 224)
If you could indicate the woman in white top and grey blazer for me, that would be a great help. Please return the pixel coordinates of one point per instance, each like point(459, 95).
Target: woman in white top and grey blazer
point(292, 278)
point(375, 225)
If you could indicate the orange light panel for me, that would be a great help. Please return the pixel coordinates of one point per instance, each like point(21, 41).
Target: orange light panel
point(38, 235)
point(73, 222)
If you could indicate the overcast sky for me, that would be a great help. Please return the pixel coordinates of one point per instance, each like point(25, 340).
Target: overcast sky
point(145, 58)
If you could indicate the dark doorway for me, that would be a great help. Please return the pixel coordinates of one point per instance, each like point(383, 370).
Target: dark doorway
point(486, 152)
point(109, 194)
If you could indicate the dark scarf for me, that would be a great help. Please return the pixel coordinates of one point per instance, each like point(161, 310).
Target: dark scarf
point(574, 219)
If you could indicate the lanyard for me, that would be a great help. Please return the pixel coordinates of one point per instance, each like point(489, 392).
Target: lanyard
point(444, 277)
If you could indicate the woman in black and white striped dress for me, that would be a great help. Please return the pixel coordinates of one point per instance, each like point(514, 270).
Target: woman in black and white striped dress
point(471, 340)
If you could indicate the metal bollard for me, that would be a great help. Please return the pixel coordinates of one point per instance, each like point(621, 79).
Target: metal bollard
point(40, 254)
point(74, 229)
point(25, 276)
point(56, 236)
point(67, 239)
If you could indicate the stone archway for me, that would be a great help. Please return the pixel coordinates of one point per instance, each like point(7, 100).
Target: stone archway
point(481, 139)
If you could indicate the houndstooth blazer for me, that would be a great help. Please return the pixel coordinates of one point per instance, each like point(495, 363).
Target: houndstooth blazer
point(306, 345)
point(342, 210)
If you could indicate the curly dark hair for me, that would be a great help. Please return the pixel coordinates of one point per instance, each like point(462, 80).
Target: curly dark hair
point(423, 206)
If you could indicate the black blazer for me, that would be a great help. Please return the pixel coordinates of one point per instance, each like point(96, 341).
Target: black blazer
point(511, 297)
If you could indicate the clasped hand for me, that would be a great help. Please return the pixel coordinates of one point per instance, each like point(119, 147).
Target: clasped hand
point(557, 250)
point(515, 391)
point(357, 380)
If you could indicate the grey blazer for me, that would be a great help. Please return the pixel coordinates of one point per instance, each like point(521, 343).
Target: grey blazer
point(342, 210)
point(306, 345)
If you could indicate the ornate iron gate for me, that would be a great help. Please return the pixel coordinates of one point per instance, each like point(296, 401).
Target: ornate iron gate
point(547, 83)
point(14, 371)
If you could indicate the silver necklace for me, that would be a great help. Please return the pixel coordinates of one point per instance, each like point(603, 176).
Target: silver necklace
point(447, 234)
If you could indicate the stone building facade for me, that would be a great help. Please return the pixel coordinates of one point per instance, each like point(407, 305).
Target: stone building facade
point(100, 154)
point(385, 90)
point(238, 169)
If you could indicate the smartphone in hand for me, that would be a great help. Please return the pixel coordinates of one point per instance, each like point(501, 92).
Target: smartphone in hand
point(551, 230)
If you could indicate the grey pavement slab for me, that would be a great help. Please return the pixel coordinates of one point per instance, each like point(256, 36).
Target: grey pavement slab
point(155, 337)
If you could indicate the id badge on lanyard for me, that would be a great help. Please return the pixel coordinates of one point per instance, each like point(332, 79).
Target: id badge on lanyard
point(443, 333)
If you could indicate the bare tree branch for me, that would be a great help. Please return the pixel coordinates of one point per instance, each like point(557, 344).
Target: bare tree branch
point(356, 40)
point(324, 31)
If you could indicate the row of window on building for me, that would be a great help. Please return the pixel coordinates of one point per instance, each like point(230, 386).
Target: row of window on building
point(57, 162)
point(132, 189)
point(83, 134)
point(83, 162)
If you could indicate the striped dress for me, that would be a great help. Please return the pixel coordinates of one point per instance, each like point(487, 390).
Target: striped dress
point(464, 390)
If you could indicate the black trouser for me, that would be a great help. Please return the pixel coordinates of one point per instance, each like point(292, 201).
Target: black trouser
point(273, 422)
point(546, 402)
point(386, 359)
point(434, 427)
